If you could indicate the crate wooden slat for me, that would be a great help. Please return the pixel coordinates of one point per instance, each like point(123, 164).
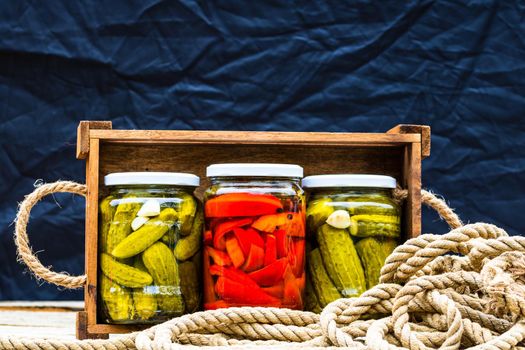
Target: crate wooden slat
point(397, 153)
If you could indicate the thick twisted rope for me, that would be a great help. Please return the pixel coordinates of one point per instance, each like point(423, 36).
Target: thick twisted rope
point(473, 299)
point(25, 253)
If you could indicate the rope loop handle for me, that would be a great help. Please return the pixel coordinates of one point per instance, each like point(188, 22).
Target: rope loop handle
point(432, 201)
point(24, 251)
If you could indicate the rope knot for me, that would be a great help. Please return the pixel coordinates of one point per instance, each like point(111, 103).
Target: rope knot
point(504, 281)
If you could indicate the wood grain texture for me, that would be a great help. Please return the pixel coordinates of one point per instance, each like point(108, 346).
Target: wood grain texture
point(412, 182)
point(91, 251)
point(82, 328)
point(423, 130)
point(255, 137)
point(42, 306)
point(83, 135)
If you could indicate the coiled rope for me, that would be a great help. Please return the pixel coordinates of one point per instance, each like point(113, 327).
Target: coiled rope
point(461, 290)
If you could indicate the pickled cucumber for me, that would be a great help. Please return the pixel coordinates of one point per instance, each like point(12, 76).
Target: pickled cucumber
point(310, 299)
point(373, 253)
point(375, 225)
point(341, 260)
point(117, 299)
point(186, 213)
point(144, 298)
point(145, 236)
point(107, 211)
point(160, 262)
point(318, 212)
point(187, 246)
point(324, 288)
point(189, 285)
point(120, 226)
point(123, 274)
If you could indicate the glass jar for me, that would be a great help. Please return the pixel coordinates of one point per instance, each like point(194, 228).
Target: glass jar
point(254, 241)
point(149, 242)
point(353, 224)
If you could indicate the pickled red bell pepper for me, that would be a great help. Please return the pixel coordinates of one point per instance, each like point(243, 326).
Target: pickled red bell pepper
point(232, 274)
point(269, 223)
point(271, 274)
point(219, 257)
point(242, 204)
point(296, 256)
point(246, 238)
point(219, 304)
point(238, 293)
point(209, 295)
point(270, 254)
point(224, 227)
point(281, 241)
point(276, 290)
point(255, 259)
point(234, 251)
point(292, 294)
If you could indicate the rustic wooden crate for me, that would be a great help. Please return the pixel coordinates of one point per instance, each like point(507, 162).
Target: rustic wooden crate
point(397, 153)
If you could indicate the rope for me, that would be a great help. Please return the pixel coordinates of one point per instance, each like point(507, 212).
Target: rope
point(22, 241)
point(427, 298)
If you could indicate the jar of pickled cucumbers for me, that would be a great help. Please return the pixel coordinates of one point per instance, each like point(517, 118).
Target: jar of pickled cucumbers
point(353, 224)
point(149, 240)
point(254, 241)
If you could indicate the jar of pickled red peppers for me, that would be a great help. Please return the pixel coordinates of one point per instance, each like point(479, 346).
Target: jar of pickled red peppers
point(254, 238)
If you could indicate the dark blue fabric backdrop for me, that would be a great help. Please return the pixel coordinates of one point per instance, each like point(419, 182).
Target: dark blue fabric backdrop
point(267, 65)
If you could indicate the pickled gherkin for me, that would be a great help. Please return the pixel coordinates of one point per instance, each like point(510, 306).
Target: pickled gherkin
point(317, 212)
point(107, 211)
point(186, 213)
point(353, 223)
point(373, 253)
point(341, 260)
point(375, 225)
point(323, 287)
point(140, 226)
point(144, 298)
point(189, 284)
point(187, 246)
point(146, 235)
point(117, 299)
point(161, 264)
point(120, 226)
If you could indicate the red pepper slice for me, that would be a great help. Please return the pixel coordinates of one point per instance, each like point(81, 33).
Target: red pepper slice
point(276, 291)
point(209, 293)
point(292, 294)
point(248, 237)
point(295, 226)
point(269, 223)
point(208, 237)
point(238, 293)
point(255, 259)
point(282, 243)
point(296, 256)
point(270, 253)
point(219, 304)
point(234, 251)
point(242, 204)
point(271, 274)
point(232, 274)
point(225, 227)
point(219, 257)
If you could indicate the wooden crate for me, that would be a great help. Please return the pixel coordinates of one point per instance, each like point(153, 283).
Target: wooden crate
point(397, 153)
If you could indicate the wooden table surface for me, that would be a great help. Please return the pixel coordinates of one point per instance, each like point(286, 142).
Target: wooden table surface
point(54, 319)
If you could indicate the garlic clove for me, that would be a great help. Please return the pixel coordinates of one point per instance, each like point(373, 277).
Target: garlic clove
point(150, 208)
point(339, 219)
point(138, 222)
